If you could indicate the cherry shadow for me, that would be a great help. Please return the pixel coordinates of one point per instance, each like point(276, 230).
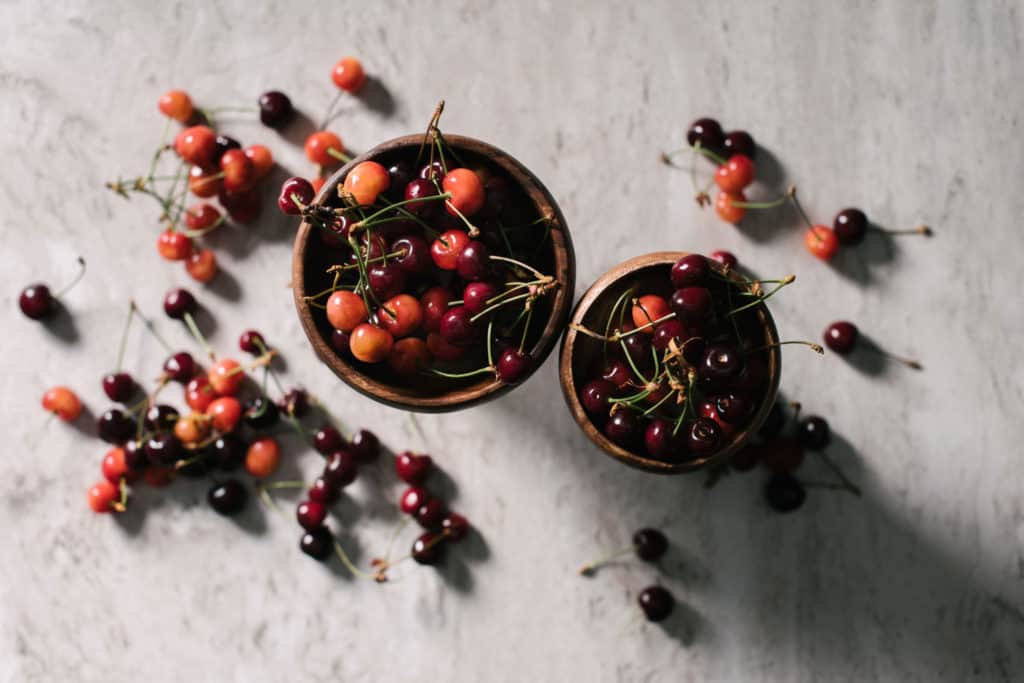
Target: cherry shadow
point(225, 286)
point(685, 625)
point(376, 96)
point(869, 358)
point(859, 263)
point(766, 225)
point(298, 129)
point(61, 324)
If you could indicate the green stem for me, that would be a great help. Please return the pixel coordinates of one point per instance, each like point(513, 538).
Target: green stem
point(199, 337)
point(785, 281)
point(499, 305)
point(462, 375)
point(124, 336)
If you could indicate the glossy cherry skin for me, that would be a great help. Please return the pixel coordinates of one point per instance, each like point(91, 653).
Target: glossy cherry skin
point(164, 449)
point(648, 309)
point(430, 514)
point(178, 303)
point(784, 493)
point(618, 373)
point(432, 171)
point(435, 304)
point(346, 310)
point(160, 418)
point(514, 365)
point(455, 527)
point(173, 245)
point(850, 226)
point(365, 446)
point(401, 174)
point(201, 265)
point(813, 432)
point(118, 386)
point(412, 498)
point(707, 132)
point(668, 331)
point(656, 602)
point(36, 301)
point(327, 440)
point(401, 315)
point(115, 467)
point(412, 468)
point(386, 279)
point(317, 543)
point(650, 544)
point(740, 142)
point(323, 492)
point(252, 342)
point(692, 269)
point(226, 376)
point(63, 403)
point(199, 394)
point(225, 413)
point(445, 250)
point(841, 337)
point(473, 262)
point(227, 497)
point(204, 183)
point(320, 148)
point(366, 181)
point(227, 452)
point(276, 109)
point(261, 158)
point(692, 304)
point(196, 145)
point(476, 295)
point(735, 174)
point(467, 192)
point(443, 350)
point(348, 75)
point(821, 241)
point(260, 412)
point(703, 436)
point(726, 258)
point(728, 206)
point(419, 189)
point(115, 427)
point(293, 189)
point(595, 395)
point(622, 427)
point(295, 402)
point(177, 105)
point(103, 496)
point(733, 409)
point(202, 217)
point(135, 458)
point(239, 173)
point(457, 327)
point(659, 440)
point(224, 144)
point(428, 549)
point(722, 363)
point(638, 346)
point(414, 254)
point(370, 343)
point(310, 514)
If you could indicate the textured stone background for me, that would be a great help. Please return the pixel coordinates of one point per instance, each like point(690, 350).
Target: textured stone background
point(910, 110)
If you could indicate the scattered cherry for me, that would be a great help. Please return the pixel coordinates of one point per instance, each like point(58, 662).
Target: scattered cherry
point(841, 336)
point(295, 190)
point(118, 386)
point(707, 132)
point(275, 109)
point(177, 105)
point(784, 493)
point(656, 602)
point(428, 549)
point(813, 432)
point(317, 543)
point(310, 514)
point(227, 497)
point(739, 142)
point(178, 303)
point(62, 402)
point(348, 75)
point(412, 468)
point(365, 446)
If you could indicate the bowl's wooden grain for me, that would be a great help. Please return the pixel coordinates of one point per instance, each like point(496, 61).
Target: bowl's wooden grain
point(430, 395)
point(579, 353)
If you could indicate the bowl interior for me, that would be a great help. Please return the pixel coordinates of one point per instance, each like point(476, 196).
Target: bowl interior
point(583, 357)
point(550, 251)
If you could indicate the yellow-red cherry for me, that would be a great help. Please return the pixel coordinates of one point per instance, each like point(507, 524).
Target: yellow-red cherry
point(366, 181)
point(262, 457)
point(226, 376)
point(346, 310)
point(445, 249)
point(174, 245)
point(648, 309)
point(261, 158)
point(62, 402)
point(196, 145)
point(224, 412)
point(821, 241)
point(204, 184)
point(726, 208)
point(409, 356)
point(466, 190)
point(401, 315)
point(239, 172)
point(201, 265)
point(348, 75)
point(370, 344)
point(177, 105)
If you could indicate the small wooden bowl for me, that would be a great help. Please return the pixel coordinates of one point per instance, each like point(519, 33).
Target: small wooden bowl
point(580, 353)
point(431, 394)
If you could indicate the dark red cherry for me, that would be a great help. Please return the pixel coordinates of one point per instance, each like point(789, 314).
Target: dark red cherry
point(456, 326)
point(650, 544)
point(726, 258)
point(340, 342)
point(621, 427)
point(160, 418)
point(414, 254)
point(36, 301)
point(841, 337)
point(412, 468)
point(473, 262)
point(340, 470)
point(656, 602)
point(178, 303)
point(455, 527)
point(400, 174)
point(135, 456)
point(294, 402)
point(323, 492)
point(659, 440)
point(690, 270)
point(618, 373)
point(386, 279)
point(432, 171)
point(420, 189)
point(164, 449)
point(113, 426)
point(296, 193)
point(513, 365)
point(702, 436)
point(813, 432)
point(180, 367)
point(260, 412)
point(227, 452)
point(227, 497)
point(784, 493)
point(252, 342)
point(668, 331)
point(595, 395)
point(365, 446)
point(721, 363)
point(739, 142)
point(707, 132)
point(638, 346)
point(310, 514)
point(692, 304)
point(428, 549)
point(476, 295)
point(327, 439)
point(275, 109)
point(118, 386)
point(733, 408)
point(317, 543)
point(430, 514)
point(850, 227)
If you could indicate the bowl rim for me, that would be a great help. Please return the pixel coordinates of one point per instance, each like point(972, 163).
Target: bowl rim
point(564, 271)
point(629, 268)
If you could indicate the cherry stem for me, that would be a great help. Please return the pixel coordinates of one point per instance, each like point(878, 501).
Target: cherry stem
point(591, 568)
point(411, 216)
point(192, 234)
point(526, 326)
point(658, 404)
point(629, 359)
point(490, 343)
point(473, 231)
point(363, 277)
point(922, 230)
point(339, 155)
point(152, 330)
point(909, 362)
point(764, 205)
point(462, 375)
point(849, 485)
point(124, 335)
point(704, 151)
point(499, 305)
point(343, 556)
point(520, 264)
point(339, 268)
point(368, 221)
point(75, 281)
point(394, 534)
point(814, 347)
point(791, 193)
point(198, 335)
point(761, 299)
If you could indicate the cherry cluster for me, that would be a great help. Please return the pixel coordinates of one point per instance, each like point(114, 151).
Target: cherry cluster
point(686, 368)
point(395, 298)
point(649, 545)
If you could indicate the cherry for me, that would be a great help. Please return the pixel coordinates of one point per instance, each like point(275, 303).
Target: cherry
point(442, 350)
point(430, 514)
point(638, 346)
point(223, 144)
point(346, 310)
point(707, 132)
point(295, 402)
point(160, 418)
point(595, 395)
point(513, 365)
point(198, 393)
point(466, 190)
point(659, 440)
point(192, 428)
point(782, 455)
point(648, 309)
point(412, 468)
point(618, 373)
point(694, 349)
point(173, 245)
point(226, 376)
point(62, 402)
point(36, 301)
point(692, 304)
point(339, 342)
point(225, 412)
point(118, 386)
point(310, 514)
point(202, 217)
point(401, 315)
point(821, 242)
point(366, 181)
point(428, 549)
point(419, 189)
point(841, 336)
point(650, 544)
point(178, 303)
point(369, 249)
point(691, 269)
point(728, 206)
point(739, 142)
point(201, 265)
point(621, 427)
point(227, 497)
point(321, 491)
point(850, 226)
point(735, 174)
point(293, 189)
point(703, 436)
point(103, 496)
point(412, 498)
point(252, 342)
point(348, 75)
point(177, 105)
point(135, 458)
point(239, 173)
point(365, 446)
point(454, 527)
point(261, 158)
point(413, 254)
point(163, 449)
point(275, 109)
point(726, 258)
point(656, 602)
point(473, 262)
point(401, 174)
point(260, 413)
point(733, 408)
point(457, 326)
point(115, 467)
point(196, 145)
point(784, 493)
point(435, 304)
point(668, 331)
point(340, 470)
point(434, 171)
point(113, 426)
point(370, 343)
point(476, 295)
point(445, 250)
point(386, 279)
point(262, 457)
point(203, 183)
point(721, 363)
point(317, 543)
point(813, 432)
point(327, 440)
point(409, 356)
point(323, 148)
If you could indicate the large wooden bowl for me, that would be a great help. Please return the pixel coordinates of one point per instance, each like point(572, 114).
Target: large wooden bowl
point(580, 354)
point(426, 393)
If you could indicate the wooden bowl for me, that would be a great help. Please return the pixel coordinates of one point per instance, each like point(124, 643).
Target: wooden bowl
point(580, 353)
point(427, 393)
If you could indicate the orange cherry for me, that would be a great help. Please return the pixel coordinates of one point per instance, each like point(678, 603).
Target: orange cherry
point(239, 172)
point(367, 180)
point(370, 343)
point(173, 245)
point(317, 183)
point(224, 413)
point(194, 427)
point(647, 309)
point(346, 310)
point(409, 356)
point(727, 209)
point(467, 192)
point(115, 466)
point(446, 249)
point(176, 104)
point(196, 145)
point(63, 402)
point(104, 497)
point(226, 376)
point(203, 184)
point(401, 315)
point(262, 457)
point(348, 75)
point(735, 174)
point(323, 148)
point(821, 241)
point(261, 158)
point(202, 265)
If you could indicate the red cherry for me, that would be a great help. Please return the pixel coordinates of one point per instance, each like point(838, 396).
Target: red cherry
point(476, 295)
point(370, 343)
point(115, 467)
point(409, 356)
point(366, 181)
point(226, 377)
point(446, 249)
point(177, 105)
point(725, 206)
point(174, 245)
point(202, 265)
point(204, 184)
point(292, 189)
point(735, 174)
point(726, 258)
point(821, 241)
point(199, 394)
point(239, 173)
point(103, 497)
point(202, 217)
point(412, 499)
point(310, 514)
point(261, 158)
point(346, 310)
point(243, 207)
point(401, 315)
point(225, 413)
point(454, 527)
point(647, 309)
point(467, 192)
point(323, 148)
point(348, 75)
point(412, 468)
point(196, 145)
point(435, 304)
point(62, 402)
